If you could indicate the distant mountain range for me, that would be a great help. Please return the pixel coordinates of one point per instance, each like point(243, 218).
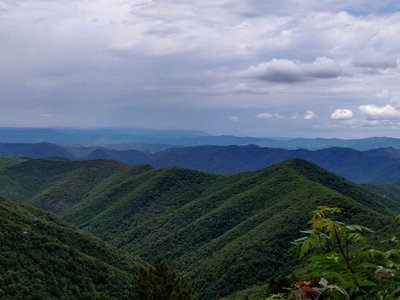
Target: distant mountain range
point(377, 165)
point(116, 137)
point(228, 232)
point(151, 140)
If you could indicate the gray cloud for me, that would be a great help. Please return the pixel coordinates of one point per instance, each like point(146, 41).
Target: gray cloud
point(173, 64)
point(234, 118)
point(251, 89)
point(376, 63)
point(287, 71)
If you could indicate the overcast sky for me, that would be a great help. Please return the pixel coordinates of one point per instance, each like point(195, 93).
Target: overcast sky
point(327, 68)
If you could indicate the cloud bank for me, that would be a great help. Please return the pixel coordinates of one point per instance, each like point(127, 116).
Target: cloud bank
point(190, 64)
point(375, 112)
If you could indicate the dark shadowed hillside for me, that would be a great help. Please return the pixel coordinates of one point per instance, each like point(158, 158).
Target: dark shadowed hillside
point(43, 258)
point(39, 150)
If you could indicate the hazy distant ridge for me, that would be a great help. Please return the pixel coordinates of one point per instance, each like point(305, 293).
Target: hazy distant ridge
point(378, 165)
point(154, 140)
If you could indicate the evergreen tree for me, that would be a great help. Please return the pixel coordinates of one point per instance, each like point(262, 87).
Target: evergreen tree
point(160, 282)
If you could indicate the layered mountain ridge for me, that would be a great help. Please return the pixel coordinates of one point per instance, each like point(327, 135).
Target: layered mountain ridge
point(372, 166)
point(227, 232)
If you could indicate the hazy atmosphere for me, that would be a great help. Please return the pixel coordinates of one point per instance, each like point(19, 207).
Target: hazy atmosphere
point(252, 68)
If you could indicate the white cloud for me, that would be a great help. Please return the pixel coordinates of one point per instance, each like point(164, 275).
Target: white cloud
point(386, 112)
point(287, 71)
point(342, 114)
point(268, 116)
point(310, 115)
point(234, 118)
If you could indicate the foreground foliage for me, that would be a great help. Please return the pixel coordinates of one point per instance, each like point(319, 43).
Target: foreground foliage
point(343, 264)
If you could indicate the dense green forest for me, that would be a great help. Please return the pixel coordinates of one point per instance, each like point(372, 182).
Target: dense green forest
point(44, 258)
point(230, 233)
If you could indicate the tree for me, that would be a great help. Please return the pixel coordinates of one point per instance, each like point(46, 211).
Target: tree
point(160, 282)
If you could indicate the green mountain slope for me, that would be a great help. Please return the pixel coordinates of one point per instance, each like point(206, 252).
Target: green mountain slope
point(388, 192)
point(53, 184)
point(43, 258)
point(228, 232)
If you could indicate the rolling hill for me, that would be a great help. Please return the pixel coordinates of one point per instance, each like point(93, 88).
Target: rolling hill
point(228, 232)
point(43, 258)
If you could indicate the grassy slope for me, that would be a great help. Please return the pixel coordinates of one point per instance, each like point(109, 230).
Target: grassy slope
point(43, 258)
point(230, 232)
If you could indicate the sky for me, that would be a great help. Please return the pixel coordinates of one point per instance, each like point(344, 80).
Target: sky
point(292, 68)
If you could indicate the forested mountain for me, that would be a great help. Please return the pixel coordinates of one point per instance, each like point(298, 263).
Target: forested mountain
point(228, 232)
point(372, 166)
point(388, 191)
point(378, 165)
point(38, 150)
point(43, 258)
point(68, 182)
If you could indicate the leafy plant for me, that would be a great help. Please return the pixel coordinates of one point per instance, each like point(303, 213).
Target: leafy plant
point(345, 262)
point(280, 296)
